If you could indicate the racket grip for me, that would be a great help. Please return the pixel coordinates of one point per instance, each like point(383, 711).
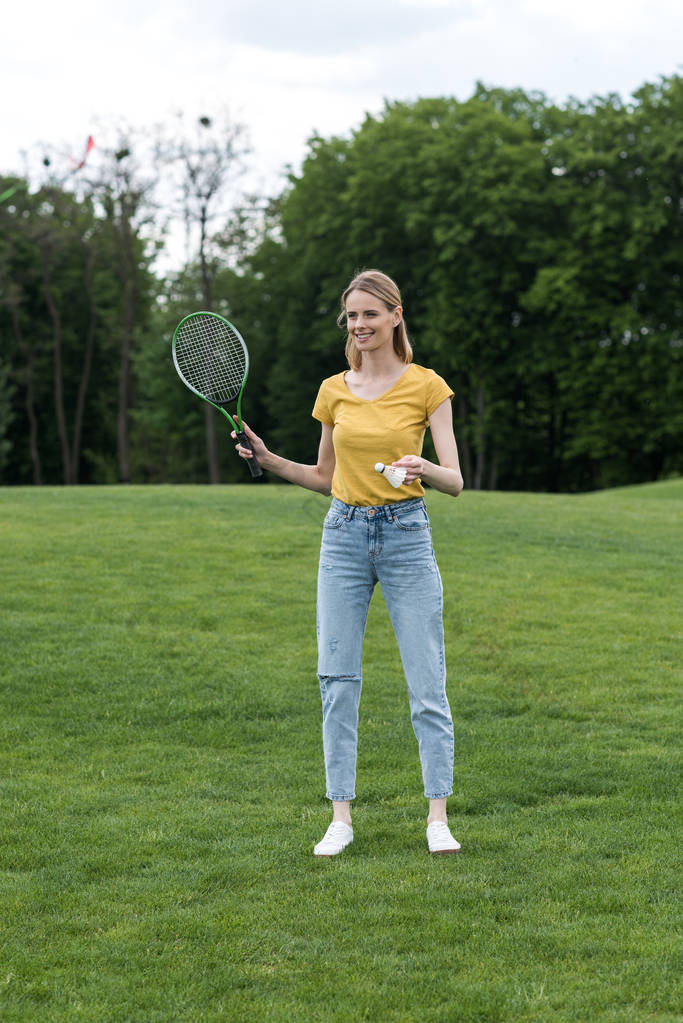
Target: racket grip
point(254, 468)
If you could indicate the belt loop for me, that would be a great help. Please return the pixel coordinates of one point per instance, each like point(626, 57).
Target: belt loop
point(351, 511)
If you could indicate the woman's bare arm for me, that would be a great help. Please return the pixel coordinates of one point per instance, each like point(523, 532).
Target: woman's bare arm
point(444, 476)
point(316, 477)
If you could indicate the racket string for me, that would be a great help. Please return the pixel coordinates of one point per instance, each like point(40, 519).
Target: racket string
point(211, 357)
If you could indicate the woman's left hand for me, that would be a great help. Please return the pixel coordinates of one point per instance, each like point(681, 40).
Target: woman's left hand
point(414, 467)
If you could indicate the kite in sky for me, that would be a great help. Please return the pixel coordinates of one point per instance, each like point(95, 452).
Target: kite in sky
point(76, 165)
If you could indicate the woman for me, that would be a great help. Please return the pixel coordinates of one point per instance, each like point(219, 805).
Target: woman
point(378, 412)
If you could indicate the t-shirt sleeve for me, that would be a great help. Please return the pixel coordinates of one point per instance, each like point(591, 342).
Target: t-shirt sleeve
point(321, 409)
point(437, 392)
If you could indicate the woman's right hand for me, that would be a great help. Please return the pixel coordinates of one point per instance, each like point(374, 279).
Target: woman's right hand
point(260, 451)
point(316, 477)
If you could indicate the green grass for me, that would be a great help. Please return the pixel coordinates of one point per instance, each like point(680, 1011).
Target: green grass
point(162, 780)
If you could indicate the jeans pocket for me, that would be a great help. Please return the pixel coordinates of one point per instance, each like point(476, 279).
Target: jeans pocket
point(411, 519)
point(333, 520)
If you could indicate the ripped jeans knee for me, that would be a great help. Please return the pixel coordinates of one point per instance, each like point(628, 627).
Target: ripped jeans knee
point(340, 701)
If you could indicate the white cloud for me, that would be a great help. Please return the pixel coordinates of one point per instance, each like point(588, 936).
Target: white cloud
point(611, 17)
point(322, 27)
point(289, 70)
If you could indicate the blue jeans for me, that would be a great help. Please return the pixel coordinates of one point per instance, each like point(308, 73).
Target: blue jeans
point(391, 544)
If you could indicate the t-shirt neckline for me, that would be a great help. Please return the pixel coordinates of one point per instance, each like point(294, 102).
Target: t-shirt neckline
point(379, 396)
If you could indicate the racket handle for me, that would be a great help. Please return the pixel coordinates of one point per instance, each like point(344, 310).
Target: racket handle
point(254, 468)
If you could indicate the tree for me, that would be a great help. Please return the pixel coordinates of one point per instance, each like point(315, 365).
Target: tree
point(6, 414)
point(538, 249)
point(48, 254)
point(123, 192)
point(59, 305)
point(610, 287)
point(205, 165)
point(18, 274)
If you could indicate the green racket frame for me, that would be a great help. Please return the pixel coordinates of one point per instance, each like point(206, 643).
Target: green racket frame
point(236, 342)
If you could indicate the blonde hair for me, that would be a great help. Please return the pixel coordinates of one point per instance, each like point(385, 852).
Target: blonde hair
point(382, 287)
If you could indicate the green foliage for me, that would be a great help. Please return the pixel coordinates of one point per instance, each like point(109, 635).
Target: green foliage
point(613, 286)
point(63, 309)
point(538, 249)
point(6, 414)
point(163, 779)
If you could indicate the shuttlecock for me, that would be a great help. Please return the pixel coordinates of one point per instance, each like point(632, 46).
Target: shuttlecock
point(395, 475)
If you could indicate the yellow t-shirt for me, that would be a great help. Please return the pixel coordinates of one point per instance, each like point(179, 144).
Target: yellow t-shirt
point(380, 430)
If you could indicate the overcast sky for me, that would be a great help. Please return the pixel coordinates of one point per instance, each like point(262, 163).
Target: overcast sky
point(288, 69)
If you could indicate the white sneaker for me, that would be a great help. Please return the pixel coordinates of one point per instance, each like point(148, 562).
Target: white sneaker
point(337, 837)
point(440, 840)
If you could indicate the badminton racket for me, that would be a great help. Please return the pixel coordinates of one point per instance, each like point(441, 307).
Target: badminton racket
point(211, 359)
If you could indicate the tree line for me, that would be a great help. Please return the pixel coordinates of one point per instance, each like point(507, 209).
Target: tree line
point(538, 248)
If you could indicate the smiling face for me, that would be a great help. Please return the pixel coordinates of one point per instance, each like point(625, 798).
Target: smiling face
point(369, 322)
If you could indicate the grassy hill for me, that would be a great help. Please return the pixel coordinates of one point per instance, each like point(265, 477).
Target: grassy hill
point(162, 781)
